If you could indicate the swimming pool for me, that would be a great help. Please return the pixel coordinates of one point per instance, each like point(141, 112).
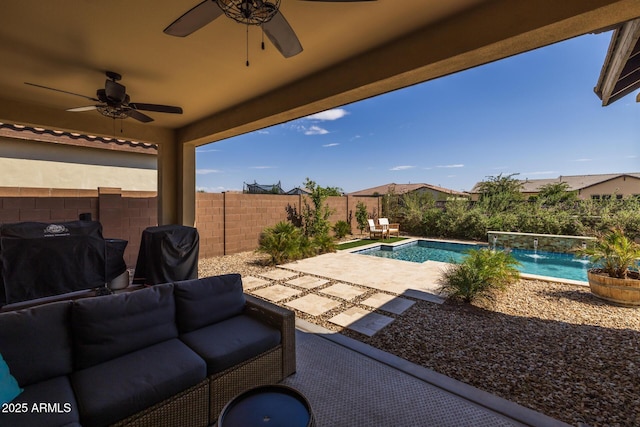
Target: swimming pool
point(551, 264)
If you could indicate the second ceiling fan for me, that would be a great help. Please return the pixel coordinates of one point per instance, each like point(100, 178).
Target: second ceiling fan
point(266, 14)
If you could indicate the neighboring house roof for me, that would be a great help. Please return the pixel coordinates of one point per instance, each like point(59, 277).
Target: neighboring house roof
point(402, 189)
point(575, 182)
point(69, 138)
point(620, 73)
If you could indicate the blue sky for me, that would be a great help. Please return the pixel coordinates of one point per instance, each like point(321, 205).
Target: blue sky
point(534, 114)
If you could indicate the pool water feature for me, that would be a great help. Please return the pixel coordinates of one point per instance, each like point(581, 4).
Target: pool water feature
point(541, 263)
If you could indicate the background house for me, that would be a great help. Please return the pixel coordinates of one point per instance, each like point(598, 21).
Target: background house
point(602, 186)
point(438, 193)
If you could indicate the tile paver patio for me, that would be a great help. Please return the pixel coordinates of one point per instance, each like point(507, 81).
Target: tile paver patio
point(390, 303)
point(307, 282)
point(360, 320)
point(342, 290)
point(276, 293)
point(278, 274)
point(417, 280)
point(313, 304)
point(250, 282)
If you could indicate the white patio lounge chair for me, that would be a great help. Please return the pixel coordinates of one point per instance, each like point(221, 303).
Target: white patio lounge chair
point(376, 230)
point(393, 228)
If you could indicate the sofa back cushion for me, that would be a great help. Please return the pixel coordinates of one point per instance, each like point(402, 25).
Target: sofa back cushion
point(206, 301)
point(36, 342)
point(108, 327)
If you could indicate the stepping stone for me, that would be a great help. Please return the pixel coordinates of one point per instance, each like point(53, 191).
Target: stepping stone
point(313, 304)
point(390, 303)
point(344, 291)
point(250, 282)
point(307, 282)
point(362, 321)
point(279, 274)
point(276, 293)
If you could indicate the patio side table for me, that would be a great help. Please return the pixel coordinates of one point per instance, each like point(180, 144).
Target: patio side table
point(264, 406)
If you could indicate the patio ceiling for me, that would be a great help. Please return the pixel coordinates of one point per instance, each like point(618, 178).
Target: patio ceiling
point(351, 51)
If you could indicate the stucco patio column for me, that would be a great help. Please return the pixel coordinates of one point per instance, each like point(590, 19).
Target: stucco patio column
point(176, 183)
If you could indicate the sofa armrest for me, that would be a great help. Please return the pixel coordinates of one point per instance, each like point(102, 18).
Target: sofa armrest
point(282, 319)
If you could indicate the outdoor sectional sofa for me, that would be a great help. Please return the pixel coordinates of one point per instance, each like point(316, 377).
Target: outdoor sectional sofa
point(170, 354)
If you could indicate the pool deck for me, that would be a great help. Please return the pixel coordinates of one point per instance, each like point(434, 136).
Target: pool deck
point(418, 280)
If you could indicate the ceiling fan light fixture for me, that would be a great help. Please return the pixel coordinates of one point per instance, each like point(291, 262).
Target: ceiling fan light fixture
point(113, 112)
point(249, 12)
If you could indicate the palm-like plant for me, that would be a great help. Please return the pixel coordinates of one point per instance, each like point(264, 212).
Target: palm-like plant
point(615, 252)
point(283, 242)
point(481, 273)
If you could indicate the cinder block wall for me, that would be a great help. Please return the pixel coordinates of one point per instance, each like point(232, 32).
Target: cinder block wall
point(123, 215)
point(227, 223)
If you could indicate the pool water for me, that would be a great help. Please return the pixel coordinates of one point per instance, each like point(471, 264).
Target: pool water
point(551, 264)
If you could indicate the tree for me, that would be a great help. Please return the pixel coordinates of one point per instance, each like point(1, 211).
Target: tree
point(500, 193)
point(555, 193)
point(362, 216)
point(315, 219)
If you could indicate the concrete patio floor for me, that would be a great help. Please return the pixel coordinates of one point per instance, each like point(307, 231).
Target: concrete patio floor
point(351, 384)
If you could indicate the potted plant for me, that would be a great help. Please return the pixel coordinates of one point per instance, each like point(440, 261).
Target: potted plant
point(615, 276)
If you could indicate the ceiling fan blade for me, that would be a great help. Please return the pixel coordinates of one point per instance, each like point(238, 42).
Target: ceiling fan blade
point(194, 19)
point(156, 107)
point(85, 108)
point(282, 35)
point(135, 114)
point(63, 91)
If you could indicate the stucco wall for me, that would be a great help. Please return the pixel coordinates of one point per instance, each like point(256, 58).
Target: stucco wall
point(624, 185)
point(36, 164)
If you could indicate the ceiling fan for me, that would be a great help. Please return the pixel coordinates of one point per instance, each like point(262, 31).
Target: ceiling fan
point(250, 12)
point(113, 101)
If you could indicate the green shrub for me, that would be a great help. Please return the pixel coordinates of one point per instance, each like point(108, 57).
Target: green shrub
point(323, 243)
point(341, 229)
point(283, 242)
point(479, 276)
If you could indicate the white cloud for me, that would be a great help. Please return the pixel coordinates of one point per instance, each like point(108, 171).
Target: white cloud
point(207, 171)
point(401, 168)
point(206, 150)
point(583, 160)
point(334, 114)
point(262, 167)
point(315, 130)
point(333, 144)
point(451, 166)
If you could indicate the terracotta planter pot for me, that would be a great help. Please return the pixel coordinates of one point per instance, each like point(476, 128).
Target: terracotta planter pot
point(621, 291)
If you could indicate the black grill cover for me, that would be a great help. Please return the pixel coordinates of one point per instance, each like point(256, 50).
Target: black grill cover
point(41, 259)
point(168, 253)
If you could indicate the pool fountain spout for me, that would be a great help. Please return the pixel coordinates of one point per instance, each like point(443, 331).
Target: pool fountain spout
point(495, 241)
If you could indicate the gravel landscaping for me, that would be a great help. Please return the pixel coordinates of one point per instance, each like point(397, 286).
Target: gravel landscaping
point(551, 347)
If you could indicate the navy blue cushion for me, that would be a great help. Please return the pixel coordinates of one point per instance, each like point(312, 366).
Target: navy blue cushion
point(202, 302)
point(121, 387)
point(232, 341)
point(36, 342)
point(61, 408)
point(111, 326)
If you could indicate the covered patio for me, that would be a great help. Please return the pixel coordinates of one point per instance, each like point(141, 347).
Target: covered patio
point(350, 51)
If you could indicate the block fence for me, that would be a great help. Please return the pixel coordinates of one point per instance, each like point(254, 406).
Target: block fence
point(227, 223)
point(123, 214)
